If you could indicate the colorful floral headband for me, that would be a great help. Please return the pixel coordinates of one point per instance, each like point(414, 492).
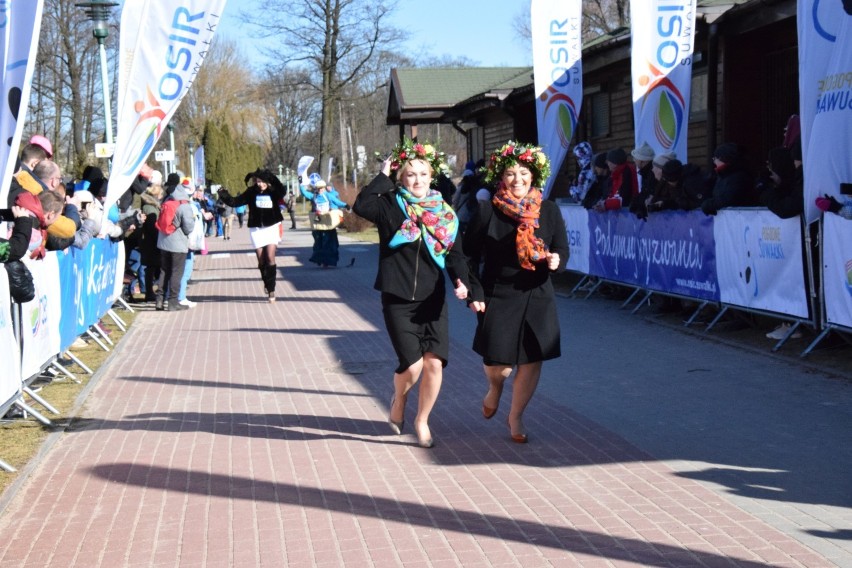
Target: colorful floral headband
point(411, 150)
point(527, 155)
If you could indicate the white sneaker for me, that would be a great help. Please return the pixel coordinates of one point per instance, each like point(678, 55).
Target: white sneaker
point(782, 330)
point(187, 302)
point(79, 343)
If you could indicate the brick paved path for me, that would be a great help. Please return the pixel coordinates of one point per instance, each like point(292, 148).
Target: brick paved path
point(246, 434)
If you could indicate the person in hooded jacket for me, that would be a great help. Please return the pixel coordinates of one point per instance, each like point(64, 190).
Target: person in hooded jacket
point(262, 198)
point(586, 176)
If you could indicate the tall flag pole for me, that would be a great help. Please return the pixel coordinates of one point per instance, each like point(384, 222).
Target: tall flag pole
point(663, 37)
point(162, 46)
point(558, 70)
point(19, 31)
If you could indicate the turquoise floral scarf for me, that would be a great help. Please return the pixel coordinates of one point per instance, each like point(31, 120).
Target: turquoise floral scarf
point(428, 217)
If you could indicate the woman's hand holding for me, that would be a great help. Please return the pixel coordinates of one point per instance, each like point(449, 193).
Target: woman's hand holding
point(552, 260)
point(477, 306)
point(461, 290)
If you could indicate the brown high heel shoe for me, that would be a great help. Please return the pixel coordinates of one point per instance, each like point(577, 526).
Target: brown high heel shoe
point(489, 412)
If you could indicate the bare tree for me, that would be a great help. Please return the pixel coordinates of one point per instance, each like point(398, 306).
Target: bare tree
point(334, 39)
point(224, 92)
point(291, 111)
point(599, 17)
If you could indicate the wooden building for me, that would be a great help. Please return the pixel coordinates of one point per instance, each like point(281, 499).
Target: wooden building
point(744, 88)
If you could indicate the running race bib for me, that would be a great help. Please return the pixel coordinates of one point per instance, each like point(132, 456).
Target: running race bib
point(263, 202)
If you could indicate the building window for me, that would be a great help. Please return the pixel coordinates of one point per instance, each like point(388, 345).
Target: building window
point(698, 96)
point(598, 114)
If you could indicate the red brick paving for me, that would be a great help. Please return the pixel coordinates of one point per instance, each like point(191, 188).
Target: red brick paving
point(246, 434)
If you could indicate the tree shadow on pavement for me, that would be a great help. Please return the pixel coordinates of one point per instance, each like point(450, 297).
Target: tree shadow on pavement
point(600, 544)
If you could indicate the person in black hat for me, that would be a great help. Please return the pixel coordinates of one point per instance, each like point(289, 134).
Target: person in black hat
point(734, 185)
point(782, 187)
point(600, 186)
point(262, 199)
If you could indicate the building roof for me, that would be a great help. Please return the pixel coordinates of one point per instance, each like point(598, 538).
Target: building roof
point(414, 97)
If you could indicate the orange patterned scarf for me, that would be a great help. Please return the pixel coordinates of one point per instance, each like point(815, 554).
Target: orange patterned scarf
point(526, 212)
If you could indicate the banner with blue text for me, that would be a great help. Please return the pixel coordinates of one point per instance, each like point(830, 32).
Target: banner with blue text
point(162, 46)
point(558, 72)
point(663, 35)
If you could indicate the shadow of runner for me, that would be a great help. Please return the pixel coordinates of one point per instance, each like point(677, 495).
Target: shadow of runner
point(440, 518)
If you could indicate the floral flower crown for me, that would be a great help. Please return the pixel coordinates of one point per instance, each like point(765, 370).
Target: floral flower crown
point(512, 153)
point(408, 149)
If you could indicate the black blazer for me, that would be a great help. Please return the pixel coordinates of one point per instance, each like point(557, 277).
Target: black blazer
point(407, 271)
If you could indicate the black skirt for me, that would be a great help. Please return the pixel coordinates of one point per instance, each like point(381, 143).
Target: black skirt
point(417, 327)
point(518, 326)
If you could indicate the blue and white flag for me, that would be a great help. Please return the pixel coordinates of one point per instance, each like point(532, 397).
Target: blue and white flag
point(200, 171)
point(825, 97)
point(19, 30)
point(663, 34)
point(162, 46)
point(558, 71)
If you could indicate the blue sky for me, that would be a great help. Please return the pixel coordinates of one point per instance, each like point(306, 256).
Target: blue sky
point(481, 30)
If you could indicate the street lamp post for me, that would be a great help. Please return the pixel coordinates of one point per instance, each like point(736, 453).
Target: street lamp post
point(98, 12)
point(171, 128)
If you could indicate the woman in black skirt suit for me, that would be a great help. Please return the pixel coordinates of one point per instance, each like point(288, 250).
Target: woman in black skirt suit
point(518, 239)
point(417, 232)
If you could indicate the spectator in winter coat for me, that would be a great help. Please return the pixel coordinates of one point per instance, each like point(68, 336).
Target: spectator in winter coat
point(173, 242)
point(586, 176)
point(624, 186)
point(734, 186)
point(781, 186)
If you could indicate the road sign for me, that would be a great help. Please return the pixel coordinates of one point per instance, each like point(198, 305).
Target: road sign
point(164, 156)
point(104, 150)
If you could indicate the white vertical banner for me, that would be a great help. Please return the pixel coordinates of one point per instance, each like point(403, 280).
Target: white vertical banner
point(663, 35)
point(558, 69)
point(200, 171)
point(20, 23)
point(10, 370)
point(837, 269)
point(825, 97)
point(162, 46)
point(40, 316)
point(576, 219)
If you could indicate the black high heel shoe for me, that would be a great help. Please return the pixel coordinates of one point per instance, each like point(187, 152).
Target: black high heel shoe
point(396, 427)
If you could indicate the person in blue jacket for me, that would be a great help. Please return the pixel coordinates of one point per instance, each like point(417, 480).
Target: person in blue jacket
point(326, 214)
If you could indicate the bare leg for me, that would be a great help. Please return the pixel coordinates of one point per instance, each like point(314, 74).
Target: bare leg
point(526, 381)
point(430, 386)
point(496, 375)
point(402, 383)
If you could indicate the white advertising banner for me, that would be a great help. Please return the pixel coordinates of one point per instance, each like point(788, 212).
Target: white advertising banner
point(662, 34)
point(759, 261)
point(20, 23)
point(200, 169)
point(10, 370)
point(40, 316)
point(302, 169)
point(558, 71)
point(577, 224)
point(825, 97)
point(837, 269)
point(162, 46)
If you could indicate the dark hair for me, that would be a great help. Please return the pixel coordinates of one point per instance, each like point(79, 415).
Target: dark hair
point(33, 151)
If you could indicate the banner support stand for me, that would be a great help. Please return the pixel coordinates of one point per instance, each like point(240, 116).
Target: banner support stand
point(97, 339)
point(103, 334)
point(694, 315)
point(6, 467)
point(118, 321)
point(40, 400)
point(646, 298)
point(26, 408)
point(124, 304)
point(629, 299)
point(78, 362)
point(65, 372)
